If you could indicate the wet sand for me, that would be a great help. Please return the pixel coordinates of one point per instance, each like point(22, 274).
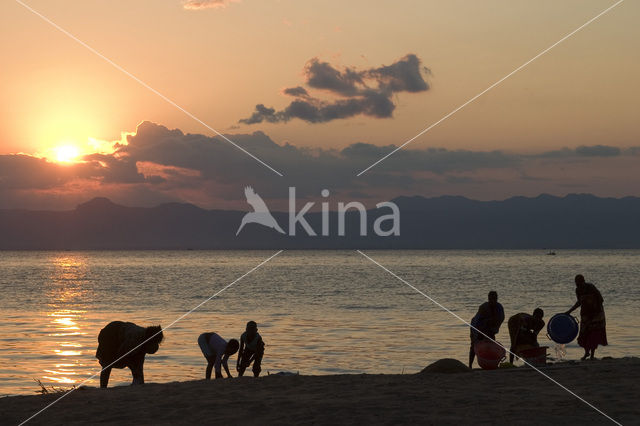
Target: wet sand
point(506, 396)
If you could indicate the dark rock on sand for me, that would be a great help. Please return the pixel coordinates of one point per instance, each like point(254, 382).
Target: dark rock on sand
point(446, 366)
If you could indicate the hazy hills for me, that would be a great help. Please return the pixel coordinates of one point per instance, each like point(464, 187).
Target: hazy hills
point(544, 222)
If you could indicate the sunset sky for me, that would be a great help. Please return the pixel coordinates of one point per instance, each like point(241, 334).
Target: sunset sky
point(341, 84)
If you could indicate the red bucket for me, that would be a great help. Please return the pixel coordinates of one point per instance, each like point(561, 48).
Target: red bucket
point(535, 356)
point(489, 354)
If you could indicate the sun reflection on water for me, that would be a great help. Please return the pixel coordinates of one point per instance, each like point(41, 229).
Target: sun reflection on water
point(67, 291)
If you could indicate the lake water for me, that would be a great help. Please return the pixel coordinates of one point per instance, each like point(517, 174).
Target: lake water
point(319, 312)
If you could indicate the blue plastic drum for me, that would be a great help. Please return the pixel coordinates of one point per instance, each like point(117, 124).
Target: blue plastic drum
point(562, 328)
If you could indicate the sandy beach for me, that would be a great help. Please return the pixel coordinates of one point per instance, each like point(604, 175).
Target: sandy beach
point(506, 396)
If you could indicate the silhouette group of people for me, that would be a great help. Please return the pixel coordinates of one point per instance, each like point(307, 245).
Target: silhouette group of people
point(217, 351)
point(125, 345)
point(524, 328)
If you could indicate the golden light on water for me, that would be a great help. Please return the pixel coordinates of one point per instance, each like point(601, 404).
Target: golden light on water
point(61, 380)
point(67, 353)
point(66, 288)
point(67, 322)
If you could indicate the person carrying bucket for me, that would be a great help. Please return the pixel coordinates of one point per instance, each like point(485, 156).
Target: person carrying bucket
point(523, 331)
point(486, 322)
point(593, 331)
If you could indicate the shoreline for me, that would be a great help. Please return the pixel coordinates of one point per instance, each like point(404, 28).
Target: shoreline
point(513, 395)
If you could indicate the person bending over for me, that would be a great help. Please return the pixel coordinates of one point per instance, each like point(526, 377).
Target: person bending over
point(523, 331)
point(251, 350)
point(125, 344)
point(217, 352)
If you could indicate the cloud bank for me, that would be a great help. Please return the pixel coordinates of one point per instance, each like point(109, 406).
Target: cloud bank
point(157, 164)
point(588, 151)
point(368, 92)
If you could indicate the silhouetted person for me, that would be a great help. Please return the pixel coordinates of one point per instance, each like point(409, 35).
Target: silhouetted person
point(117, 339)
point(524, 329)
point(593, 327)
point(217, 352)
point(251, 350)
point(488, 320)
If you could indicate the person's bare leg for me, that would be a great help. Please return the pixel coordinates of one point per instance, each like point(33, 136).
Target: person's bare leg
point(472, 355)
point(207, 374)
point(104, 377)
point(593, 353)
point(257, 364)
point(586, 354)
point(138, 373)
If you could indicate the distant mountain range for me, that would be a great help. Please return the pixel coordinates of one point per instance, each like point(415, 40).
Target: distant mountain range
point(544, 222)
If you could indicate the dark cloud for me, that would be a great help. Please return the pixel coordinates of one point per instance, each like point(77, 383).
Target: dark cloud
point(362, 92)
point(462, 180)
point(322, 75)
point(598, 151)
point(586, 151)
point(525, 176)
point(24, 171)
point(373, 104)
point(262, 113)
point(435, 160)
point(405, 75)
point(158, 163)
point(298, 92)
point(114, 169)
point(27, 172)
point(216, 159)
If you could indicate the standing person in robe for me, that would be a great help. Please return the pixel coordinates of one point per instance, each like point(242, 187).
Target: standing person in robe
point(486, 322)
point(593, 327)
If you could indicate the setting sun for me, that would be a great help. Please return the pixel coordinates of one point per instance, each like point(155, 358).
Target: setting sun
point(67, 153)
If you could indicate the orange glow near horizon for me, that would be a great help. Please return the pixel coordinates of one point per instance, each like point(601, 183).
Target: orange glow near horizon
point(67, 153)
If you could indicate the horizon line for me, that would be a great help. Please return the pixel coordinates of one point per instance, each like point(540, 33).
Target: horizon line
point(186, 203)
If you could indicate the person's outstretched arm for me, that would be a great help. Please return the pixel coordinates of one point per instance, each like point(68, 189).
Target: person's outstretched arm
point(574, 307)
point(537, 328)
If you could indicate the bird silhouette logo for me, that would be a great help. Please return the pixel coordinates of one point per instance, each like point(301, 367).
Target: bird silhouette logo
point(260, 213)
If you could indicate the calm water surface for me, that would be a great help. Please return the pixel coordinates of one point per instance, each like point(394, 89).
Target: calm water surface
point(320, 312)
